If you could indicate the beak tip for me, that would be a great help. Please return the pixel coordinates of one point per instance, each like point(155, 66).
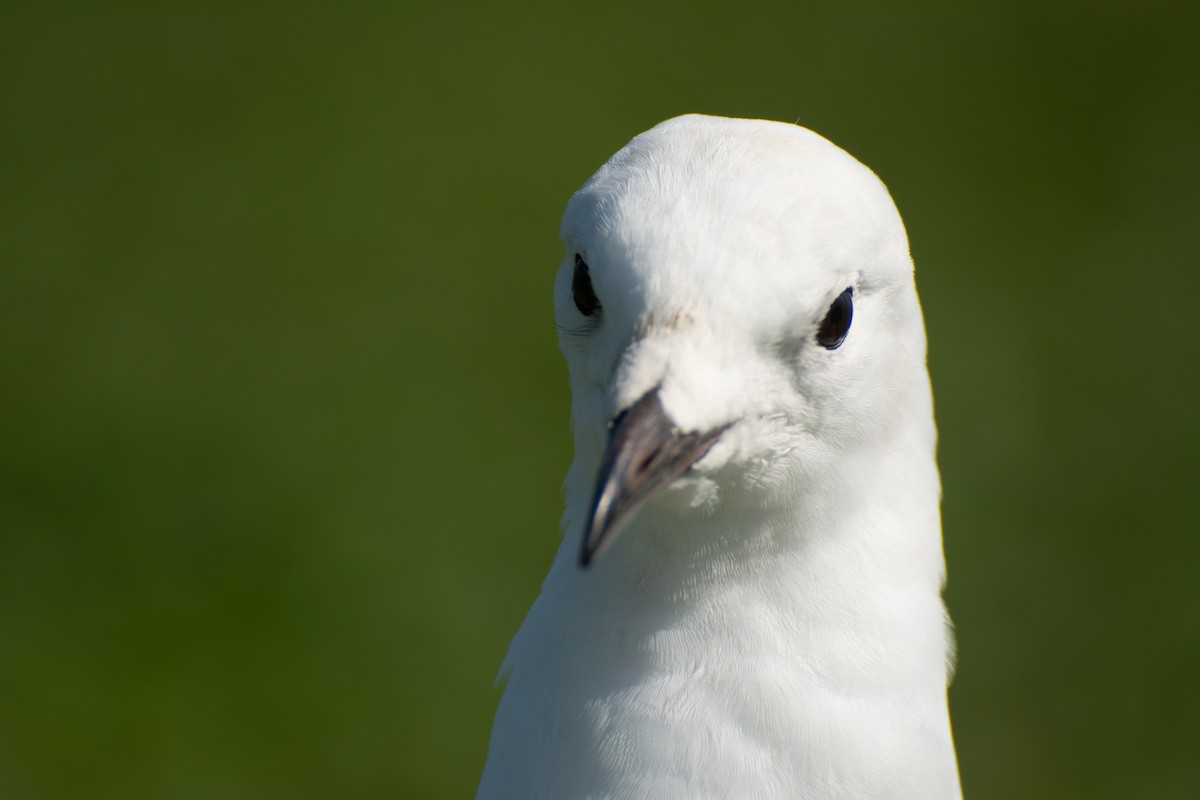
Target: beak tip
point(590, 549)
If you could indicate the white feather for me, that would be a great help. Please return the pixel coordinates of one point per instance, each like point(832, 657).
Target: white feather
point(771, 624)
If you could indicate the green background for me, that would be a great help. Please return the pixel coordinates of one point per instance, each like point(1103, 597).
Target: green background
point(283, 421)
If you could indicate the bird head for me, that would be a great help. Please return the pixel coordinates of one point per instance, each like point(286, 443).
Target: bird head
point(737, 309)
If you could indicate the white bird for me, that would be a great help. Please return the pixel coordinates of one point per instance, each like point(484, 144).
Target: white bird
point(752, 414)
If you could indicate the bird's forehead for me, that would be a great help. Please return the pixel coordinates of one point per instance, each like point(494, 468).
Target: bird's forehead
point(749, 212)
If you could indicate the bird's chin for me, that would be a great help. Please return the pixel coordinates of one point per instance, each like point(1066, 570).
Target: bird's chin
point(751, 460)
point(693, 494)
point(725, 478)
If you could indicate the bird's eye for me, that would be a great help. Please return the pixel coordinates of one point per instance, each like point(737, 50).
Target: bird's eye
point(836, 324)
point(581, 287)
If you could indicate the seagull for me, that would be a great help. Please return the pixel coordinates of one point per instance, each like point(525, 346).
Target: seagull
point(747, 602)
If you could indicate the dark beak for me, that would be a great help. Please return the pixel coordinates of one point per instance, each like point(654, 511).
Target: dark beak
point(645, 454)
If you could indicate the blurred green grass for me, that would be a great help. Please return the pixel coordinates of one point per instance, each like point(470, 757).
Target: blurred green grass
point(284, 421)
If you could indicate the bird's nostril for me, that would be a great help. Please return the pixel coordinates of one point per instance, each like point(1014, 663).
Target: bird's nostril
point(646, 462)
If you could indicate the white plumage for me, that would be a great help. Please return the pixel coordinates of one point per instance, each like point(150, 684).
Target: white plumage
point(768, 623)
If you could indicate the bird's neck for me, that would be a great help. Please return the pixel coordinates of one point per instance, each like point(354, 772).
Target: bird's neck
point(845, 597)
point(802, 645)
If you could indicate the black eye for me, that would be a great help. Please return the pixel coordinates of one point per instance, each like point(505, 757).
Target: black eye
point(581, 286)
point(836, 324)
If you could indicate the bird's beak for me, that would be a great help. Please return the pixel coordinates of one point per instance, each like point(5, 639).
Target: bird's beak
point(645, 454)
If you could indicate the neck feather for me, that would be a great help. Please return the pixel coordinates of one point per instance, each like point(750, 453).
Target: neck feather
point(792, 651)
